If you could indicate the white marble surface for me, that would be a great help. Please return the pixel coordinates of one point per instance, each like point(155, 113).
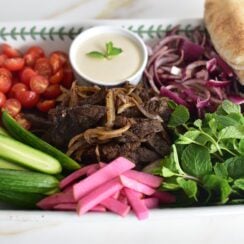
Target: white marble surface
point(17, 10)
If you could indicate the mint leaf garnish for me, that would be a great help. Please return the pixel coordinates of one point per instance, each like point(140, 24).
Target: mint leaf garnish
point(110, 52)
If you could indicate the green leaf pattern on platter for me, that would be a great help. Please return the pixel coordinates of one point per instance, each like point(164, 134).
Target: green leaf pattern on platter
point(61, 33)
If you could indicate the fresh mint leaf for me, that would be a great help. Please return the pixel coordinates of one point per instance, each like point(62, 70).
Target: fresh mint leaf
point(166, 172)
point(170, 186)
point(239, 184)
point(220, 170)
point(232, 132)
point(109, 48)
point(179, 116)
point(218, 185)
point(109, 53)
point(189, 137)
point(213, 126)
point(172, 105)
point(96, 54)
point(169, 162)
point(235, 167)
point(115, 51)
point(188, 186)
point(176, 159)
point(241, 146)
point(198, 123)
point(196, 160)
point(227, 120)
point(230, 107)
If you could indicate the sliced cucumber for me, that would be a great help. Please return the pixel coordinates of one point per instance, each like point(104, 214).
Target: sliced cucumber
point(6, 164)
point(19, 199)
point(26, 181)
point(21, 134)
point(26, 156)
point(3, 132)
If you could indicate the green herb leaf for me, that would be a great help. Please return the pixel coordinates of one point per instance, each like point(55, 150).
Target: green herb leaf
point(235, 167)
point(109, 53)
point(189, 137)
point(219, 185)
point(172, 105)
point(239, 184)
point(115, 51)
point(227, 120)
point(196, 160)
point(188, 186)
point(96, 54)
point(176, 160)
point(229, 107)
point(109, 47)
point(166, 172)
point(241, 146)
point(220, 170)
point(179, 117)
point(232, 132)
point(169, 162)
point(170, 186)
point(198, 123)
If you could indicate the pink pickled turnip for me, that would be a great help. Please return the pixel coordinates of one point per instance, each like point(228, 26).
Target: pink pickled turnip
point(75, 175)
point(138, 205)
point(92, 170)
point(98, 208)
point(145, 178)
point(116, 206)
point(109, 172)
point(58, 198)
point(137, 186)
point(164, 197)
point(98, 195)
point(65, 206)
point(151, 202)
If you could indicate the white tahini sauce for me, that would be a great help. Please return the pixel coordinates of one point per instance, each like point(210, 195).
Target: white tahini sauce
point(117, 69)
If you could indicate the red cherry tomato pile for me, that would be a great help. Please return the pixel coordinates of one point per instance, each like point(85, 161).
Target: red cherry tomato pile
point(31, 79)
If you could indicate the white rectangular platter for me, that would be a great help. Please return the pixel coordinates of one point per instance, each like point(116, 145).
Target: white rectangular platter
point(182, 225)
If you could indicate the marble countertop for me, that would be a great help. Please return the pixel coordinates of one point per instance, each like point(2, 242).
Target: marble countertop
point(13, 10)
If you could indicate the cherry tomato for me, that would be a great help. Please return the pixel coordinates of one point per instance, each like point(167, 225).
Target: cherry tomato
point(3, 57)
point(5, 72)
point(2, 99)
point(46, 105)
point(28, 99)
point(68, 77)
point(43, 67)
point(14, 64)
point(57, 61)
point(16, 88)
point(30, 59)
point(37, 51)
point(23, 121)
point(10, 51)
point(62, 56)
point(38, 84)
point(12, 106)
point(52, 92)
point(5, 83)
point(26, 75)
point(57, 77)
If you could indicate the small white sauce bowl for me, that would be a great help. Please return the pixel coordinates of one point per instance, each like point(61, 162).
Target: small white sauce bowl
point(96, 31)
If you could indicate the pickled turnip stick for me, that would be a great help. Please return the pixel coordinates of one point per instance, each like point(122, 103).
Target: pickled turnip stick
point(98, 195)
point(105, 174)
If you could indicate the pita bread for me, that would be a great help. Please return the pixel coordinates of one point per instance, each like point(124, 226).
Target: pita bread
point(224, 20)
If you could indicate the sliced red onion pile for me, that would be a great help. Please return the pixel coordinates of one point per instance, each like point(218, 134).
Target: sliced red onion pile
point(189, 71)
